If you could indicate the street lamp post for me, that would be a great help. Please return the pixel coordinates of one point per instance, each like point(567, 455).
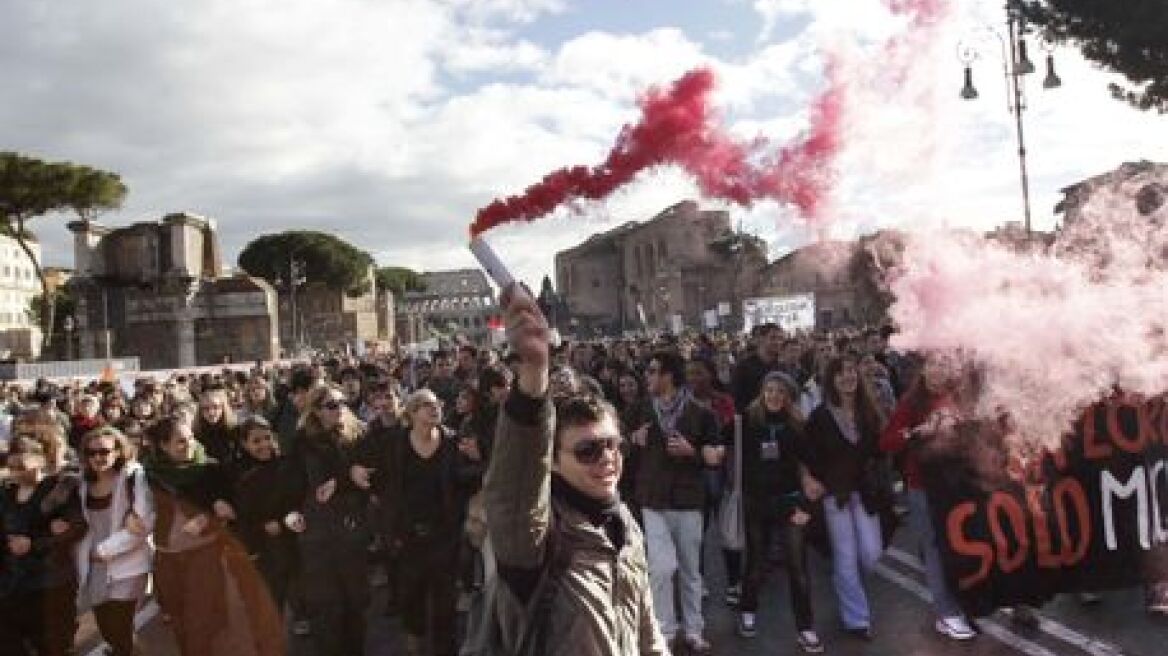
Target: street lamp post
point(68, 325)
point(1015, 64)
point(295, 277)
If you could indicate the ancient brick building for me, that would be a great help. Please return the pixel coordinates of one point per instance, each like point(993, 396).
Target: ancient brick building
point(157, 290)
point(671, 269)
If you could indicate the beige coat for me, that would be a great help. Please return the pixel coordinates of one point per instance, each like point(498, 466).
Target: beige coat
point(602, 605)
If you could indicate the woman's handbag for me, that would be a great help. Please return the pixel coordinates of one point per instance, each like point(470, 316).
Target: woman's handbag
point(731, 522)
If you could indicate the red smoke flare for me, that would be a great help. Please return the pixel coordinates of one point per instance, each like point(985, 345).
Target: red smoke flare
point(678, 126)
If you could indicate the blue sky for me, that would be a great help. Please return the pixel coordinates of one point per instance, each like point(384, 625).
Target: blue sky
point(390, 122)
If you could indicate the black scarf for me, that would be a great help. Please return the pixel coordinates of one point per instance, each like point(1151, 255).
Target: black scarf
point(603, 514)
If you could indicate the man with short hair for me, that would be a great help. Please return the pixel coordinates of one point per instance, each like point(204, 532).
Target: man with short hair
point(747, 379)
point(571, 560)
point(674, 449)
point(442, 381)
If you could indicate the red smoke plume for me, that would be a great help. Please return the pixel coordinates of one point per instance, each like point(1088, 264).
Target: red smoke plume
point(678, 126)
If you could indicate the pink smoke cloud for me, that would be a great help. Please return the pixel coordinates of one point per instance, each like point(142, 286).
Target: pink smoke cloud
point(1055, 330)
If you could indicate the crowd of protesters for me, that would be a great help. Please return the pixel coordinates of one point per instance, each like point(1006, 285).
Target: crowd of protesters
point(300, 488)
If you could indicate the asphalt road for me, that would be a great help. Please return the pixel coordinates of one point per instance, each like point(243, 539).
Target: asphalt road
point(903, 624)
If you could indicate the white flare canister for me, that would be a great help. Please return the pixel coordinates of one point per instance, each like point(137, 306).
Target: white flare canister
point(491, 263)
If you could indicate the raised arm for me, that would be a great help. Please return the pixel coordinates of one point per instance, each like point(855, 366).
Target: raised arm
point(518, 483)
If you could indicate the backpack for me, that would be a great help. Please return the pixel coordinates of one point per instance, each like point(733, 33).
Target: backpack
point(483, 634)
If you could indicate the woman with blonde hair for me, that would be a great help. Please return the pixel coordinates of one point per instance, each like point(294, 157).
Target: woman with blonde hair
point(114, 557)
point(216, 427)
point(258, 400)
point(427, 484)
point(329, 520)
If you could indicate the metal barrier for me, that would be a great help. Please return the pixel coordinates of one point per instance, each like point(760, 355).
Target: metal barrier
point(66, 369)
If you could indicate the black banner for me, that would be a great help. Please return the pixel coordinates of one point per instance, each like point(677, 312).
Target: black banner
point(1092, 515)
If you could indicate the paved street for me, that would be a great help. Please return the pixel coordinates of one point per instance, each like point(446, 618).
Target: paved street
point(903, 623)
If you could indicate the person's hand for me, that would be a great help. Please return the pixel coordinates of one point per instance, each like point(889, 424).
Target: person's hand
point(640, 437)
point(58, 527)
point(528, 335)
point(134, 524)
point(272, 528)
point(679, 447)
point(812, 488)
point(713, 455)
point(469, 447)
point(19, 545)
point(223, 510)
point(800, 517)
point(196, 525)
point(326, 490)
point(295, 522)
point(360, 476)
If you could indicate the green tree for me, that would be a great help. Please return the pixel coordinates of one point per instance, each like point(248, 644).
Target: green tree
point(399, 280)
point(327, 260)
point(30, 188)
point(1129, 37)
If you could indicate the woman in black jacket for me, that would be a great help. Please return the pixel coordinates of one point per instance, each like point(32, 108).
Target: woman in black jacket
point(330, 504)
point(844, 458)
point(40, 521)
point(427, 484)
point(773, 456)
point(191, 493)
point(266, 559)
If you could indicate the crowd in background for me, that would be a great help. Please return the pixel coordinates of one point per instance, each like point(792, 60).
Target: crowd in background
point(297, 490)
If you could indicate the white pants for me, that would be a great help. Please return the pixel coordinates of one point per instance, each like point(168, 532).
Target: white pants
point(673, 544)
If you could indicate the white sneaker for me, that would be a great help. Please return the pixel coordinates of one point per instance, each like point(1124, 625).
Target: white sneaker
point(809, 642)
point(955, 627)
point(746, 625)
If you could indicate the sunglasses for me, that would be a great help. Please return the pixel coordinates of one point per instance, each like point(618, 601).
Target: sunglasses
point(589, 452)
point(89, 453)
point(331, 405)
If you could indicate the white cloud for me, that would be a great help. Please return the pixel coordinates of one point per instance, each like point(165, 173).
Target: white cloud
point(390, 122)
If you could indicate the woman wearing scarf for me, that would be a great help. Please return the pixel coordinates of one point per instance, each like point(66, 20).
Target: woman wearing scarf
point(330, 500)
point(773, 455)
point(190, 493)
point(842, 445)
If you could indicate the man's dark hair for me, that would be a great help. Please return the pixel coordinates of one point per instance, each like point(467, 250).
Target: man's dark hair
point(672, 364)
point(303, 378)
point(580, 410)
point(349, 372)
point(469, 348)
point(762, 330)
point(492, 376)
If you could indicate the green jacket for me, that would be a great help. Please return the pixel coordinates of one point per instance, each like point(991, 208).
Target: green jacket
point(602, 603)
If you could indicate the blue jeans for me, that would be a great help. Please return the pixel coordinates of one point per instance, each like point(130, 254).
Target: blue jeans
point(856, 545)
point(921, 521)
point(673, 539)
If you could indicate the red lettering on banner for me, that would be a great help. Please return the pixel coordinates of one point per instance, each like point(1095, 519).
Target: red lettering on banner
point(1072, 490)
point(999, 502)
point(1043, 545)
point(1131, 444)
point(1093, 449)
point(963, 546)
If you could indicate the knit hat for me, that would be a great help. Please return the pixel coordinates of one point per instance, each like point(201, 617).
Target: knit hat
point(785, 379)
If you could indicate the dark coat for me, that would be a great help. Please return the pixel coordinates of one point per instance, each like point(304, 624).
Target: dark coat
point(772, 482)
point(49, 564)
point(841, 466)
point(668, 483)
